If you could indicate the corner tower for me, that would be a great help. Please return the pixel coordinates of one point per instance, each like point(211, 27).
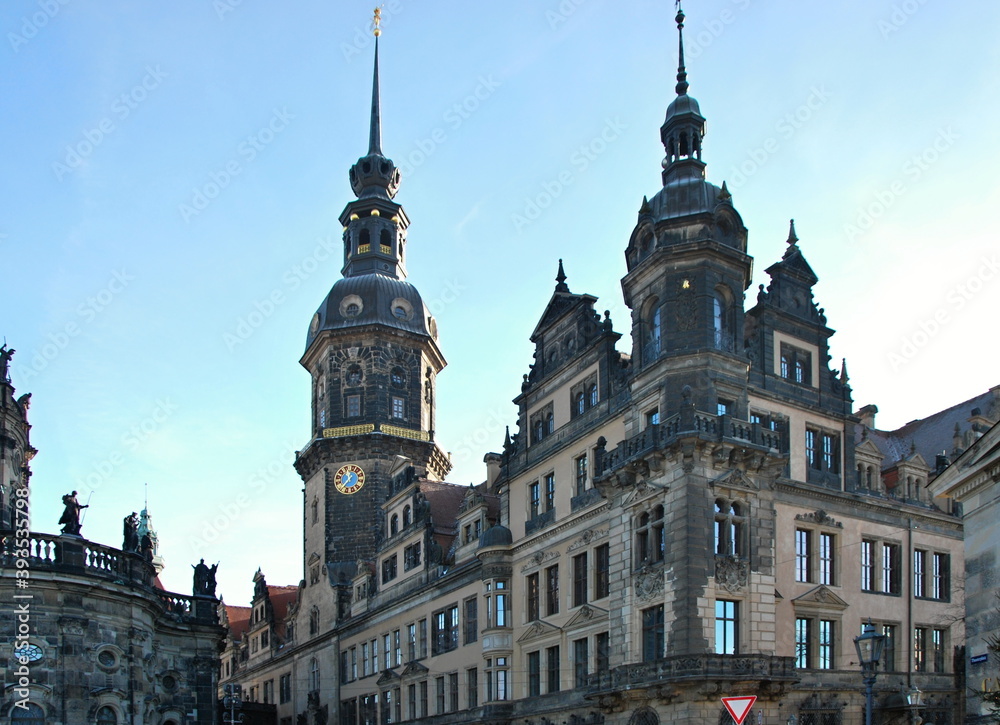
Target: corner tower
point(372, 351)
point(687, 272)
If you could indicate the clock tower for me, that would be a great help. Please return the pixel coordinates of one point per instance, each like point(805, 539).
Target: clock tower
point(373, 356)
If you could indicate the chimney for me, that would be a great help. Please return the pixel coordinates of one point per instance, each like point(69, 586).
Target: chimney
point(867, 416)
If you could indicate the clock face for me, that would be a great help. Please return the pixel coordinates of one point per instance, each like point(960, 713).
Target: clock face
point(349, 479)
point(32, 652)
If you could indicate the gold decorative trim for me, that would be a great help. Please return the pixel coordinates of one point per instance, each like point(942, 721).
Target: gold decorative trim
point(348, 430)
point(395, 430)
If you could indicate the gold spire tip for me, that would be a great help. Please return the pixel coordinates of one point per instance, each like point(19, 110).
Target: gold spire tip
point(376, 30)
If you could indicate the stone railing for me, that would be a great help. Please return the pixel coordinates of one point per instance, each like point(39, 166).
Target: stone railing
point(684, 424)
point(52, 553)
point(679, 669)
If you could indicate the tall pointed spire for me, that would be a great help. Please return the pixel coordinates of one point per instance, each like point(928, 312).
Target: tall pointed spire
point(375, 133)
point(682, 84)
point(561, 285)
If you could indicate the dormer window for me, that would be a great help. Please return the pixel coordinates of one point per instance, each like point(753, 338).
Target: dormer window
point(796, 365)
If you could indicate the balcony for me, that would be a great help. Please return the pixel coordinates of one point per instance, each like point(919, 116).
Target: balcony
point(694, 668)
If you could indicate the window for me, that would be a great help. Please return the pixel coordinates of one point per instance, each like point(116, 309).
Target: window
point(314, 680)
point(471, 624)
point(581, 657)
point(581, 475)
point(396, 377)
point(602, 580)
point(411, 703)
point(453, 691)
point(423, 698)
point(652, 633)
point(826, 644)
point(389, 569)
point(727, 627)
point(592, 395)
point(803, 644)
point(940, 566)
point(407, 516)
point(472, 688)
point(724, 407)
point(315, 511)
point(730, 527)
point(579, 403)
point(497, 604)
point(411, 556)
point(354, 663)
point(919, 649)
point(583, 397)
point(314, 621)
point(803, 555)
point(868, 566)
point(106, 716)
point(650, 540)
point(796, 365)
point(534, 674)
point(890, 569)
point(652, 348)
point(439, 689)
point(387, 651)
point(822, 452)
point(444, 630)
point(602, 655)
point(397, 650)
point(375, 656)
point(497, 679)
point(422, 629)
point(542, 424)
point(889, 652)
point(398, 407)
point(352, 406)
point(552, 589)
point(552, 668)
point(652, 417)
point(580, 579)
point(30, 715)
point(285, 687)
point(550, 491)
point(826, 554)
point(937, 649)
point(534, 499)
point(919, 569)
point(531, 590)
point(394, 525)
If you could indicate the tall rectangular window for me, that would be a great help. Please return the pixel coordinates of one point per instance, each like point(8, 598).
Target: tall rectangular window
point(471, 623)
point(919, 649)
point(387, 650)
point(552, 668)
point(602, 654)
point(502, 610)
point(552, 587)
point(602, 571)
point(397, 649)
point(534, 674)
point(890, 569)
point(937, 649)
point(831, 453)
point(580, 575)
point(422, 629)
point(472, 687)
point(550, 492)
point(581, 475)
point(352, 406)
point(826, 644)
point(826, 563)
point(424, 712)
point(940, 564)
point(453, 692)
point(812, 455)
point(411, 702)
point(581, 657)
point(889, 652)
point(727, 627)
point(803, 645)
point(534, 499)
point(867, 566)
point(398, 407)
point(919, 570)
point(411, 642)
point(439, 691)
point(803, 555)
point(652, 633)
point(531, 590)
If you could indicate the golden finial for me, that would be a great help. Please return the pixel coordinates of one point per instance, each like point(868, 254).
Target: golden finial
point(378, 20)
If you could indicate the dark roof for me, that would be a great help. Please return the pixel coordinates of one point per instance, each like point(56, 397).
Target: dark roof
point(496, 535)
point(377, 293)
point(935, 433)
point(684, 195)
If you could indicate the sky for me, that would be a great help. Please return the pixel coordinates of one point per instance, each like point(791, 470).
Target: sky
point(174, 174)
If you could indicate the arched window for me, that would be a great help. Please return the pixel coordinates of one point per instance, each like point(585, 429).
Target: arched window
point(394, 525)
point(364, 239)
point(861, 476)
point(593, 395)
point(550, 424)
point(721, 322)
point(107, 716)
point(314, 621)
point(539, 431)
point(407, 516)
point(868, 476)
point(31, 715)
point(579, 405)
point(385, 239)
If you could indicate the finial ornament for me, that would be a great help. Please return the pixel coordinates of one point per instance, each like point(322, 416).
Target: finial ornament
point(377, 22)
point(682, 84)
point(561, 285)
point(792, 236)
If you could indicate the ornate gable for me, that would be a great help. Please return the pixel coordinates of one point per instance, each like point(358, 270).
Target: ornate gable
point(586, 615)
point(537, 630)
point(821, 597)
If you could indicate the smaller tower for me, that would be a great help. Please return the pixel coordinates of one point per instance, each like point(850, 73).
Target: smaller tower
point(16, 450)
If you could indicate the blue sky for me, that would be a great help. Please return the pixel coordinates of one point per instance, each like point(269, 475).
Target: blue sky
point(174, 176)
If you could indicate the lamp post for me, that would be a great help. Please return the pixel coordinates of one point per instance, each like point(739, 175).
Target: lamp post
point(869, 645)
point(914, 701)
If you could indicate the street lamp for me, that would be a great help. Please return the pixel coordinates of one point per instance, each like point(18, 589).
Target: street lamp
point(914, 701)
point(869, 645)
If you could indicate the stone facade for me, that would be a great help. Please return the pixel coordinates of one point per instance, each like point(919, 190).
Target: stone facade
point(702, 516)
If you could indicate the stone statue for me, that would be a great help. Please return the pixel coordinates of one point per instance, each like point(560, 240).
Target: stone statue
point(146, 547)
point(70, 518)
point(130, 533)
point(210, 581)
point(5, 356)
point(201, 575)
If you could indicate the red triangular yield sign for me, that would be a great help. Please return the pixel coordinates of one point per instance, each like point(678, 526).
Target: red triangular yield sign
point(739, 706)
